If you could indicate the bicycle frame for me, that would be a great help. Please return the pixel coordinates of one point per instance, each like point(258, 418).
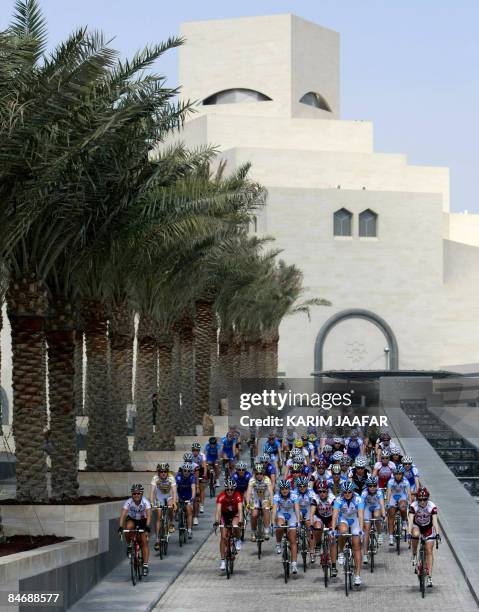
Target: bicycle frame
point(136, 558)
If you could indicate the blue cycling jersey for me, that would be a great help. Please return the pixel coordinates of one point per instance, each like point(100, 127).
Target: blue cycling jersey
point(228, 446)
point(372, 500)
point(398, 489)
point(212, 452)
point(270, 469)
point(184, 486)
point(241, 481)
point(275, 445)
point(349, 509)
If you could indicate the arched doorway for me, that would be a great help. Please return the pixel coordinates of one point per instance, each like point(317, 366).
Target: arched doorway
point(356, 313)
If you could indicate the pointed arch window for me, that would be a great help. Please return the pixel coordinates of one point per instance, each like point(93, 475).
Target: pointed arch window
point(368, 224)
point(343, 222)
point(234, 96)
point(312, 98)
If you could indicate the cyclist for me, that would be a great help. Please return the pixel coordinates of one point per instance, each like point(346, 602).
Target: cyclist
point(186, 488)
point(270, 468)
point(313, 440)
point(423, 521)
point(286, 514)
point(229, 510)
point(345, 464)
point(201, 472)
point(383, 469)
point(259, 495)
point(305, 499)
point(296, 471)
point(336, 479)
point(348, 512)
point(321, 516)
point(212, 451)
point(237, 437)
point(354, 445)
point(384, 442)
point(228, 451)
point(272, 447)
point(163, 492)
point(359, 474)
point(373, 507)
point(253, 440)
point(411, 473)
point(338, 444)
point(241, 477)
point(295, 456)
point(189, 457)
point(336, 457)
point(398, 493)
point(326, 453)
point(136, 512)
point(396, 455)
point(288, 442)
point(321, 472)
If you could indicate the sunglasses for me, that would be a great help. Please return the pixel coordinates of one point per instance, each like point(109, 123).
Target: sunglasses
point(229, 490)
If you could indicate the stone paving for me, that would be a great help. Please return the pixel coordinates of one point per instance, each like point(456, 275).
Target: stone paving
point(259, 585)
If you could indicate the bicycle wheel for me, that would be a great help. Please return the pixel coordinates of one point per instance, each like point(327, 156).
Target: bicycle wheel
point(139, 566)
point(346, 574)
point(372, 550)
point(422, 573)
point(285, 562)
point(132, 568)
point(212, 484)
point(304, 551)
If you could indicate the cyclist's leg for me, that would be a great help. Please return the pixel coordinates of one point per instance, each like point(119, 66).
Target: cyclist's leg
point(266, 514)
point(279, 532)
point(202, 491)
point(189, 513)
point(403, 508)
point(222, 540)
point(292, 533)
point(367, 527)
point(310, 535)
point(414, 539)
point(429, 556)
point(254, 518)
point(130, 524)
point(391, 514)
point(356, 546)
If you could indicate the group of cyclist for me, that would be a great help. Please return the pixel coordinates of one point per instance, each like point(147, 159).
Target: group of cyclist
point(330, 482)
point(324, 480)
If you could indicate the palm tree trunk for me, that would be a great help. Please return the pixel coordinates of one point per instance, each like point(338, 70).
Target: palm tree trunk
point(122, 331)
point(244, 359)
point(60, 334)
point(203, 324)
point(271, 355)
point(97, 405)
point(225, 361)
point(215, 395)
point(187, 373)
point(146, 383)
point(165, 431)
point(27, 304)
point(176, 407)
point(262, 346)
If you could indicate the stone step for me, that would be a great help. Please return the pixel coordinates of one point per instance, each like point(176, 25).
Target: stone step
point(458, 454)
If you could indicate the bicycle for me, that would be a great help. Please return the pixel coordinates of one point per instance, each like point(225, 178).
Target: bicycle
point(325, 556)
point(252, 446)
point(182, 523)
point(260, 530)
point(348, 563)
point(230, 551)
point(422, 569)
point(373, 542)
point(303, 547)
point(212, 480)
point(136, 555)
point(286, 551)
point(398, 529)
point(163, 534)
point(227, 467)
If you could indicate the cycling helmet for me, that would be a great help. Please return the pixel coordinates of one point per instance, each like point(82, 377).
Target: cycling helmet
point(360, 462)
point(196, 446)
point(241, 465)
point(335, 469)
point(312, 437)
point(187, 466)
point(337, 456)
point(372, 481)
point(399, 469)
point(322, 485)
point(385, 454)
point(298, 443)
point(188, 457)
point(163, 467)
point(284, 484)
point(322, 463)
point(406, 459)
point(337, 440)
point(230, 483)
point(259, 468)
point(265, 458)
point(422, 493)
point(213, 440)
point(302, 481)
point(137, 488)
point(296, 467)
point(395, 450)
point(345, 460)
point(327, 448)
point(347, 487)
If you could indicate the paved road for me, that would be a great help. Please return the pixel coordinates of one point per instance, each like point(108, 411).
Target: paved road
point(259, 585)
point(115, 591)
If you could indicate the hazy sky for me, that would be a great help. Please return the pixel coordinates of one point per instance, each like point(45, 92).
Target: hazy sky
point(410, 66)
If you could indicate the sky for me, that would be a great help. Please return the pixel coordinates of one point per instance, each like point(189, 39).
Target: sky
point(410, 66)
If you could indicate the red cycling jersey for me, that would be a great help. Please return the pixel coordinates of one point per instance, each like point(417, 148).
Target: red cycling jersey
point(229, 503)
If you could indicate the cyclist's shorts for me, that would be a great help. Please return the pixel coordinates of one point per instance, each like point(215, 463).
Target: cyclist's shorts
point(325, 520)
point(187, 500)
point(369, 511)
point(305, 513)
point(229, 453)
point(256, 502)
point(397, 498)
point(140, 523)
point(163, 498)
point(289, 519)
point(352, 522)
point(228, 517)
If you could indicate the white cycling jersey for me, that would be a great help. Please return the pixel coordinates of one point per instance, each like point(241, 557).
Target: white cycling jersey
point(137, 511)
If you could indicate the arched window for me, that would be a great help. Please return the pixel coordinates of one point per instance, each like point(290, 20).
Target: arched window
point(343, 222)
point(368, 224)
point(233, 96)
point(315, 99)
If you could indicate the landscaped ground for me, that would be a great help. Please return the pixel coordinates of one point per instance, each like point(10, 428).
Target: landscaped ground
point(20, 543)
point(79, 501)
